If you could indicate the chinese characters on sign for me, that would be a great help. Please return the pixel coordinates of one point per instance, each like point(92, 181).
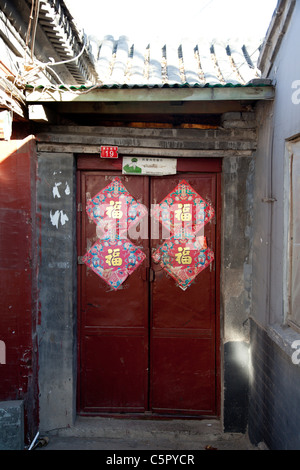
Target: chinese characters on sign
point(149, 166)
point(113, 257)
point(183, 212)
point(109, 152)
point(183, 255)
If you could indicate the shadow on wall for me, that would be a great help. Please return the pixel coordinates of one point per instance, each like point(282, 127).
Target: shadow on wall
point(236, 386)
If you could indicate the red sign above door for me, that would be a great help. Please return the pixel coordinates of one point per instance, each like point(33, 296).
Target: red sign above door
point(109, 152)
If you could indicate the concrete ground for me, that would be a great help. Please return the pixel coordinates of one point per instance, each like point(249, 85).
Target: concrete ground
point(128, 434)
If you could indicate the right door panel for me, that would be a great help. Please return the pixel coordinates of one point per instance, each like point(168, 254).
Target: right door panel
point(182, 326)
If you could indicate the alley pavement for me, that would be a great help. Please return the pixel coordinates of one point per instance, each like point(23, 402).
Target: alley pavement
point(110, 434)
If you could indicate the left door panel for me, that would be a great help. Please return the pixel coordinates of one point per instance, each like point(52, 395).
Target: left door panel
point(113, 324)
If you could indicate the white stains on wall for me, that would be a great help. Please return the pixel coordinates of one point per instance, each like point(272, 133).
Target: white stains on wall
point(54, 218)
point(63, 218)
point(67, 189)
point(59, 217)
point(55, 191)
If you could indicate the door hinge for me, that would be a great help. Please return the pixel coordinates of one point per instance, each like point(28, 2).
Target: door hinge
point(268, 199)
point(79, 207)
point(79, 260)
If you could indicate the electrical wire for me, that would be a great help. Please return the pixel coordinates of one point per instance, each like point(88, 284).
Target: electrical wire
point(205, 6)
point(35, 66)
point(68, 60)
point(38, 66)
point(29, 24)
point(36, 17)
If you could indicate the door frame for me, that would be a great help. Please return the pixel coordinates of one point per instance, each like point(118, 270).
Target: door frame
point(213, 165)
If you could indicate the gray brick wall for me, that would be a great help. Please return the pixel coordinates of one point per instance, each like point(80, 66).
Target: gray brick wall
point(236, 386)
point(274, 405)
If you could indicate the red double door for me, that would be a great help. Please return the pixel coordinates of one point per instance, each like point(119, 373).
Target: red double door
point(149, 346)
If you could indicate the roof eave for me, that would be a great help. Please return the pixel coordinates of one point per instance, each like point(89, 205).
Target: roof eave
point(250, 92)
point(274, 36)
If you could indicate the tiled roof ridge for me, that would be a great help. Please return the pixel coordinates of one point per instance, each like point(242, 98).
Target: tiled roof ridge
point(217, 62)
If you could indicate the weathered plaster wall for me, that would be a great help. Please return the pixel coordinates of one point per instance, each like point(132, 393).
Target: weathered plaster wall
point(285, 72)
point(57, 290)
point(262, 214)
point(236, 285)
point(238, 176)
point(274, 381)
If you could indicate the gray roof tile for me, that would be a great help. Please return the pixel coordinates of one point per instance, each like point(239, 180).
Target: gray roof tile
point(124, 62)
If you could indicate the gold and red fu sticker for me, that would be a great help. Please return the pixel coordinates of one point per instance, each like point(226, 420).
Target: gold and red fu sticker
point(183, 213)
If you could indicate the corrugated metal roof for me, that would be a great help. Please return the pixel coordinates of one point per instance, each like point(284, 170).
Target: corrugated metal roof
point(123, 62)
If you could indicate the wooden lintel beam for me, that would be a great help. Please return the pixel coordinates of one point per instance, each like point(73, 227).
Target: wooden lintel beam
point(123, 151)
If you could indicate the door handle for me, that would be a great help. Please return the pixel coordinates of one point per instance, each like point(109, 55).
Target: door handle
point(151, 275)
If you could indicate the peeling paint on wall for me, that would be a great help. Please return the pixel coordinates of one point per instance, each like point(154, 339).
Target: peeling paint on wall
point(56, 192)
point(58, 216)
point(67, 189)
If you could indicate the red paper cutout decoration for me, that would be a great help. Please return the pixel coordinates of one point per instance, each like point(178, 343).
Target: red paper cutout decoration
point(113, 257)
point(184, 255)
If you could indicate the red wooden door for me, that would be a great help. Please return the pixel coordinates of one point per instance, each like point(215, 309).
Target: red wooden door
point(183, 360)
point(147, 345)
point(113, 323)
